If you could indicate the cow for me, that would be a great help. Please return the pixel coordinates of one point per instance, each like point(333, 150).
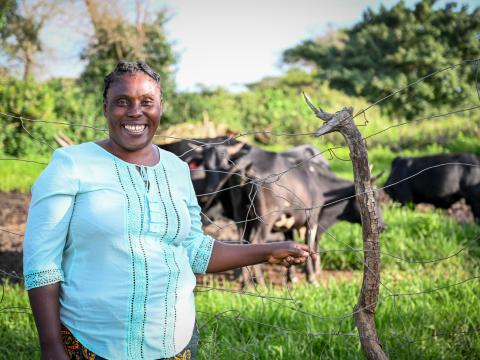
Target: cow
point(341, 204)
point(283, 177)
point(265, 190)
point(280, 192)
point(439, 180)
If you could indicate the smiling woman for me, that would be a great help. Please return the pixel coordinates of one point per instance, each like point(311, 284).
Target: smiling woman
point(114, 238)
point(132, 105)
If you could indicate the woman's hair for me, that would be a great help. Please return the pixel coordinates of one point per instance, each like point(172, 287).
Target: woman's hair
point(129, 68)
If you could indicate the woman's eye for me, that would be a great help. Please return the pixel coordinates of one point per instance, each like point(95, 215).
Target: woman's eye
point(147, 102)
point(122, 102)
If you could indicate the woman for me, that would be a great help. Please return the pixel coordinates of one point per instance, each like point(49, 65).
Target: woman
point(114, 238)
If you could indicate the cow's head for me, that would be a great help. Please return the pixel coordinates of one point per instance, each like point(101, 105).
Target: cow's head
point(218, 162)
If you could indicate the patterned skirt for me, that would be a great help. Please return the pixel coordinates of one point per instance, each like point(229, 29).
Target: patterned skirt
point(77, 351)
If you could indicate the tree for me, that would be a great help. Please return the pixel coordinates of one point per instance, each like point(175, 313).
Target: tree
point(117, 38)
point(21, 23)
point(393, 47)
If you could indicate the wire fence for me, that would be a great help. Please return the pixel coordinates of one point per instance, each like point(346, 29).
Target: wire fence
point(286, 298)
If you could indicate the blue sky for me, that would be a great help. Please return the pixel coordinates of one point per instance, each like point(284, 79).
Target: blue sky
point(224, 42)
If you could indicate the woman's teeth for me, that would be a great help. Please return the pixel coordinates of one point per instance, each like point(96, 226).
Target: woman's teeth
point(135, 129)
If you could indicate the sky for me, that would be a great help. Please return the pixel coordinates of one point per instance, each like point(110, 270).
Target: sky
point(228, 43)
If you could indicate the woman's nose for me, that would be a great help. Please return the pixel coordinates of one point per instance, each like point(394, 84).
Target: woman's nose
point(134, 110)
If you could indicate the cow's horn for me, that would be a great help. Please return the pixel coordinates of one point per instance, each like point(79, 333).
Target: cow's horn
point(232, 150)
point(197, 148)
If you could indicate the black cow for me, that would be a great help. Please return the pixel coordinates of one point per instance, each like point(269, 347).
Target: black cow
point(439, 180)
point(341, 204)
point(192, 152)
point(266, 191)
point(290, 185)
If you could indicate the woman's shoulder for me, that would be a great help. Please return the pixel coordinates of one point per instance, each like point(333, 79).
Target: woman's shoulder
point(78, 150)
point(168, 158)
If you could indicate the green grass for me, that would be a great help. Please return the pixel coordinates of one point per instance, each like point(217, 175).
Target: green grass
point(440, 325)
point(18, 336)
point(17, 175)
point(410, 235)
point(436, 325)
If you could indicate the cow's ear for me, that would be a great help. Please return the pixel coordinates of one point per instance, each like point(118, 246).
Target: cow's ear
point(376, 177)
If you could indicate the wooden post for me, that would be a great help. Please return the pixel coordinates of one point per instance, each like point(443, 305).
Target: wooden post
point(364, 310)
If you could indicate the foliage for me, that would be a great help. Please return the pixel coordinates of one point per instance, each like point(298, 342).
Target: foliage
point(273, 107)
point(394, 47)
point(20, 28)
point(50, 102)
point(117, 39)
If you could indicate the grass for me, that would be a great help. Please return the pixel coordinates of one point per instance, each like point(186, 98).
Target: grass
point(409, 235)
point(440, 325)
point(18, 175)
point(435, 325)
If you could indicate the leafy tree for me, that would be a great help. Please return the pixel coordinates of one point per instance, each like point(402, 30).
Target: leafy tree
point(116, 38)
point(393, 47)
point(21, 23)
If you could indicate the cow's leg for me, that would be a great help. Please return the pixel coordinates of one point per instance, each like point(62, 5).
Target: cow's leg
point(317, 263)
point(291, 276)
point(253, 273)
point(472, 198)
point(310, 270)
point(259, 234)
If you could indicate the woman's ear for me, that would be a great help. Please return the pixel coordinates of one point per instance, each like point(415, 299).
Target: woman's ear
point(104, 107)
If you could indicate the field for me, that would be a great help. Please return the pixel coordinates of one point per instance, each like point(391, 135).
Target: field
point(428, 306)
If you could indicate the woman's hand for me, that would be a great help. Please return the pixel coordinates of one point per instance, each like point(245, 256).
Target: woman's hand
point(289, 253)
point(231, 256)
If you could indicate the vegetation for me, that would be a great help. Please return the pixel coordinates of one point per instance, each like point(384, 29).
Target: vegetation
point(396, 46)
point(434, 325)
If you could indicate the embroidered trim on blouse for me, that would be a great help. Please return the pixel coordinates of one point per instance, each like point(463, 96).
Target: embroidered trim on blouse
point(42, 278)
point(142, 215)
point(163, 205)
point(173, 203)
point(168, 237)
point(139, 290)
point(202, 257)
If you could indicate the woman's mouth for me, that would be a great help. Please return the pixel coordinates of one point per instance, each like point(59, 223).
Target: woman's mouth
point(135, 129)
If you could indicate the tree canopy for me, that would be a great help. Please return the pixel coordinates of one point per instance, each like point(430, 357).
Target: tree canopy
point(394, 47)
point(115, 38)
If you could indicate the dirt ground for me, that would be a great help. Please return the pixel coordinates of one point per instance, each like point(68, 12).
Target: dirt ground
point(13, 216)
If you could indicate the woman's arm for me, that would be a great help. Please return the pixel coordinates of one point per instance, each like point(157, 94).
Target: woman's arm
point(45, 308)
point(230, 256)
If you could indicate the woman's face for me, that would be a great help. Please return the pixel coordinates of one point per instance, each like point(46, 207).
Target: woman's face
point(133, 108)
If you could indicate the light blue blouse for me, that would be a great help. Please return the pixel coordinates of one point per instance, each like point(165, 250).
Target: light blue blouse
point(124, 252)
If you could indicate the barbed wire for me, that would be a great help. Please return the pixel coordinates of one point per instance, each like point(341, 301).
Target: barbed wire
point(259, 185)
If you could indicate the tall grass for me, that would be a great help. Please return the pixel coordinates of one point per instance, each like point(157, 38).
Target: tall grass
point(439, 324)
point(317, 325)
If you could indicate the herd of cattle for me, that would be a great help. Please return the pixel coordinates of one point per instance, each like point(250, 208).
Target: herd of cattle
point(265, 192)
